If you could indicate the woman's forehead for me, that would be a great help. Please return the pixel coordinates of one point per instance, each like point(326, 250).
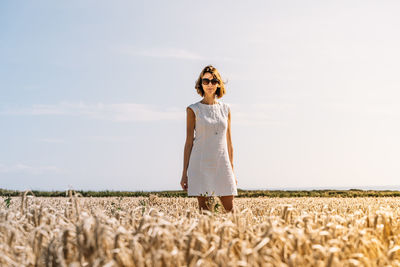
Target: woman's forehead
point(208, 75)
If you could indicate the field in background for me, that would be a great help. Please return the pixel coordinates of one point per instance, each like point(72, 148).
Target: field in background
point(155, 231)
point(241, 193)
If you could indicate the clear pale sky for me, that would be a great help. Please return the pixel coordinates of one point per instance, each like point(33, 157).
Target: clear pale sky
point(93, 94)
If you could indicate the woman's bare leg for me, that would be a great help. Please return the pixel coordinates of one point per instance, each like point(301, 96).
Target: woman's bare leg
point(227, 201)
point(202, 203)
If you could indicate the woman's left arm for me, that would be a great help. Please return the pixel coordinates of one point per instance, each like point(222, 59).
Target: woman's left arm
point(229, 139)
point(229, 142)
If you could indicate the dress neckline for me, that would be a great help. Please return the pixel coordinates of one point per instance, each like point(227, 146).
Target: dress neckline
point(209, 105)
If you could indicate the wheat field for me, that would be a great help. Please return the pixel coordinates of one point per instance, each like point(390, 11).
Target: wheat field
point(154, 231)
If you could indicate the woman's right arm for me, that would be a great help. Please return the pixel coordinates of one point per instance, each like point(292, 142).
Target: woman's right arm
point(190, 125)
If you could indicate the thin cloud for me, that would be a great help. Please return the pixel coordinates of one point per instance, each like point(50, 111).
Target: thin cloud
point(109, 139)
point(36, 109)
point(51, 140)
point(28, 169)
point(255, 114)
point(167, 53)
point(160, 53)
point(121, 112)
point(242, 114)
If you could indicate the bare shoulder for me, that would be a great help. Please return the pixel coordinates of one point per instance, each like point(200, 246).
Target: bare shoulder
point(227, 109)
point(191, 115)
point(190, 111)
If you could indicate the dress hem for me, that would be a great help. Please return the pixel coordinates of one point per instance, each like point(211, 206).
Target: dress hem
point(224, 195)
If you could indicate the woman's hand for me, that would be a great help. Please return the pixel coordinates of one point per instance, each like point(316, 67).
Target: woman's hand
point(184, 182)
point(235, 176)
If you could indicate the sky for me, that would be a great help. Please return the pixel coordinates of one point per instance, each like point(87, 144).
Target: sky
point(93, 94)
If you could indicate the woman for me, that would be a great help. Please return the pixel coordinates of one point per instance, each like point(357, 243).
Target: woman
point(208, 156)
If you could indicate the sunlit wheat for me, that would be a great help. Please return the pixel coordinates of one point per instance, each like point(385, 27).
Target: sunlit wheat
point(154, 231)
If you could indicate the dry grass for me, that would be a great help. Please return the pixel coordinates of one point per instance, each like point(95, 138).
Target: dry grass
point(76, 231)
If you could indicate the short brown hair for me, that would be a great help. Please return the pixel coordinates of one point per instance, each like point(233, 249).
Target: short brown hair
point(214, 72)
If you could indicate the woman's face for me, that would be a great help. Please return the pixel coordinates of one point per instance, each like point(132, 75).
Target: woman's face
point(210, 88)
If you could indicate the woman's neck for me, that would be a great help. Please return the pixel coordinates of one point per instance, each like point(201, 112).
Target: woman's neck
point(209, 100)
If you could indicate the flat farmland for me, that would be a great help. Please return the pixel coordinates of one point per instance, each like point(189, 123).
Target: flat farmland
point(155, 231)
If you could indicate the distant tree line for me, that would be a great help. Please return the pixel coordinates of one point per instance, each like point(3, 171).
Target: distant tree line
point(241, 193)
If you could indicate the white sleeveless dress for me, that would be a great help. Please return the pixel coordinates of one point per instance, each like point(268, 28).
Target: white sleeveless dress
point(210, 171)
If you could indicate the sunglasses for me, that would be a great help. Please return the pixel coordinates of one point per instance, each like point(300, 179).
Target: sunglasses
point(206, 81)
